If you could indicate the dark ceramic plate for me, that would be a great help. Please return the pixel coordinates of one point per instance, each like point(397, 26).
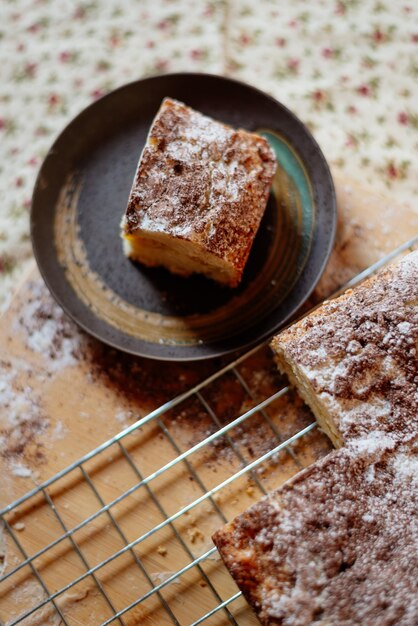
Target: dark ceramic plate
point(82, 191)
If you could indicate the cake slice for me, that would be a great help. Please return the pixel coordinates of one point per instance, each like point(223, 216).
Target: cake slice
point(354, 359)
point(335, 546)
point(199, 193)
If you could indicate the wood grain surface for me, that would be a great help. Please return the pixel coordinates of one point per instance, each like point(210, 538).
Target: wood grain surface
point(63, 393)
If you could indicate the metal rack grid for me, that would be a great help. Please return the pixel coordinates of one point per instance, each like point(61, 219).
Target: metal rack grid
point(46, 495)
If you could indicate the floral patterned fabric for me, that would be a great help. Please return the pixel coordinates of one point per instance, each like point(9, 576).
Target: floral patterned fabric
point(348, 68)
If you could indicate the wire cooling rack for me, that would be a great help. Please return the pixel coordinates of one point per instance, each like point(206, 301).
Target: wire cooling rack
point(164, 513)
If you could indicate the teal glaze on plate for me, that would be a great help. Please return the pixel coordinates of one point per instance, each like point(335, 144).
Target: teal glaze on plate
point(290, 163)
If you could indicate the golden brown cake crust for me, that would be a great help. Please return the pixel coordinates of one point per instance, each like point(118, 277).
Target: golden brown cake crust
point(337, 545)
point(202, 181)
point(359, 354)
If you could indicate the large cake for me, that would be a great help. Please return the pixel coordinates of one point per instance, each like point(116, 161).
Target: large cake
point(354, 359)
point(338, 544)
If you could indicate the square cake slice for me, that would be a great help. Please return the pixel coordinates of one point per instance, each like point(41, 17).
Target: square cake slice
point(335, 546)
point(199, 193)
point(354, 359)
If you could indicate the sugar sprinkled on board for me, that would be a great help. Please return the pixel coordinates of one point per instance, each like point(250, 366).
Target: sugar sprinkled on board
point(59, 431)
point(19, 469)
point(47, 331)
point(30, 593)
point(124, 417)
point(22, 418)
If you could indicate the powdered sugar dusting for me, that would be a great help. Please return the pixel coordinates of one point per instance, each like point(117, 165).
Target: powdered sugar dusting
point(406, 467)
point(23, 421)
point(124, 417)
point(358, 353)
point(203, 181)
point(404, 327)
point(372, 442)
point(21, 470)
point(161, 224)
point(370, 473)
point(410, 264)
point(59, 431)
point(336, 545)
point(29, 593)
point(16, 404)
point(48, 332)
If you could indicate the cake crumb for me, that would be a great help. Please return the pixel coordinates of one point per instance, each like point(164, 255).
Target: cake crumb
point(76, 595)
point(19, 526)
point(195, 534)
point(162, 550)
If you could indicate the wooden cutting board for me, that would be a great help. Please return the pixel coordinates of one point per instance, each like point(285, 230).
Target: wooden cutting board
point(63, 393)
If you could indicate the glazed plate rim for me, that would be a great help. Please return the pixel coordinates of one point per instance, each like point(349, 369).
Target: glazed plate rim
point(168, 352)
